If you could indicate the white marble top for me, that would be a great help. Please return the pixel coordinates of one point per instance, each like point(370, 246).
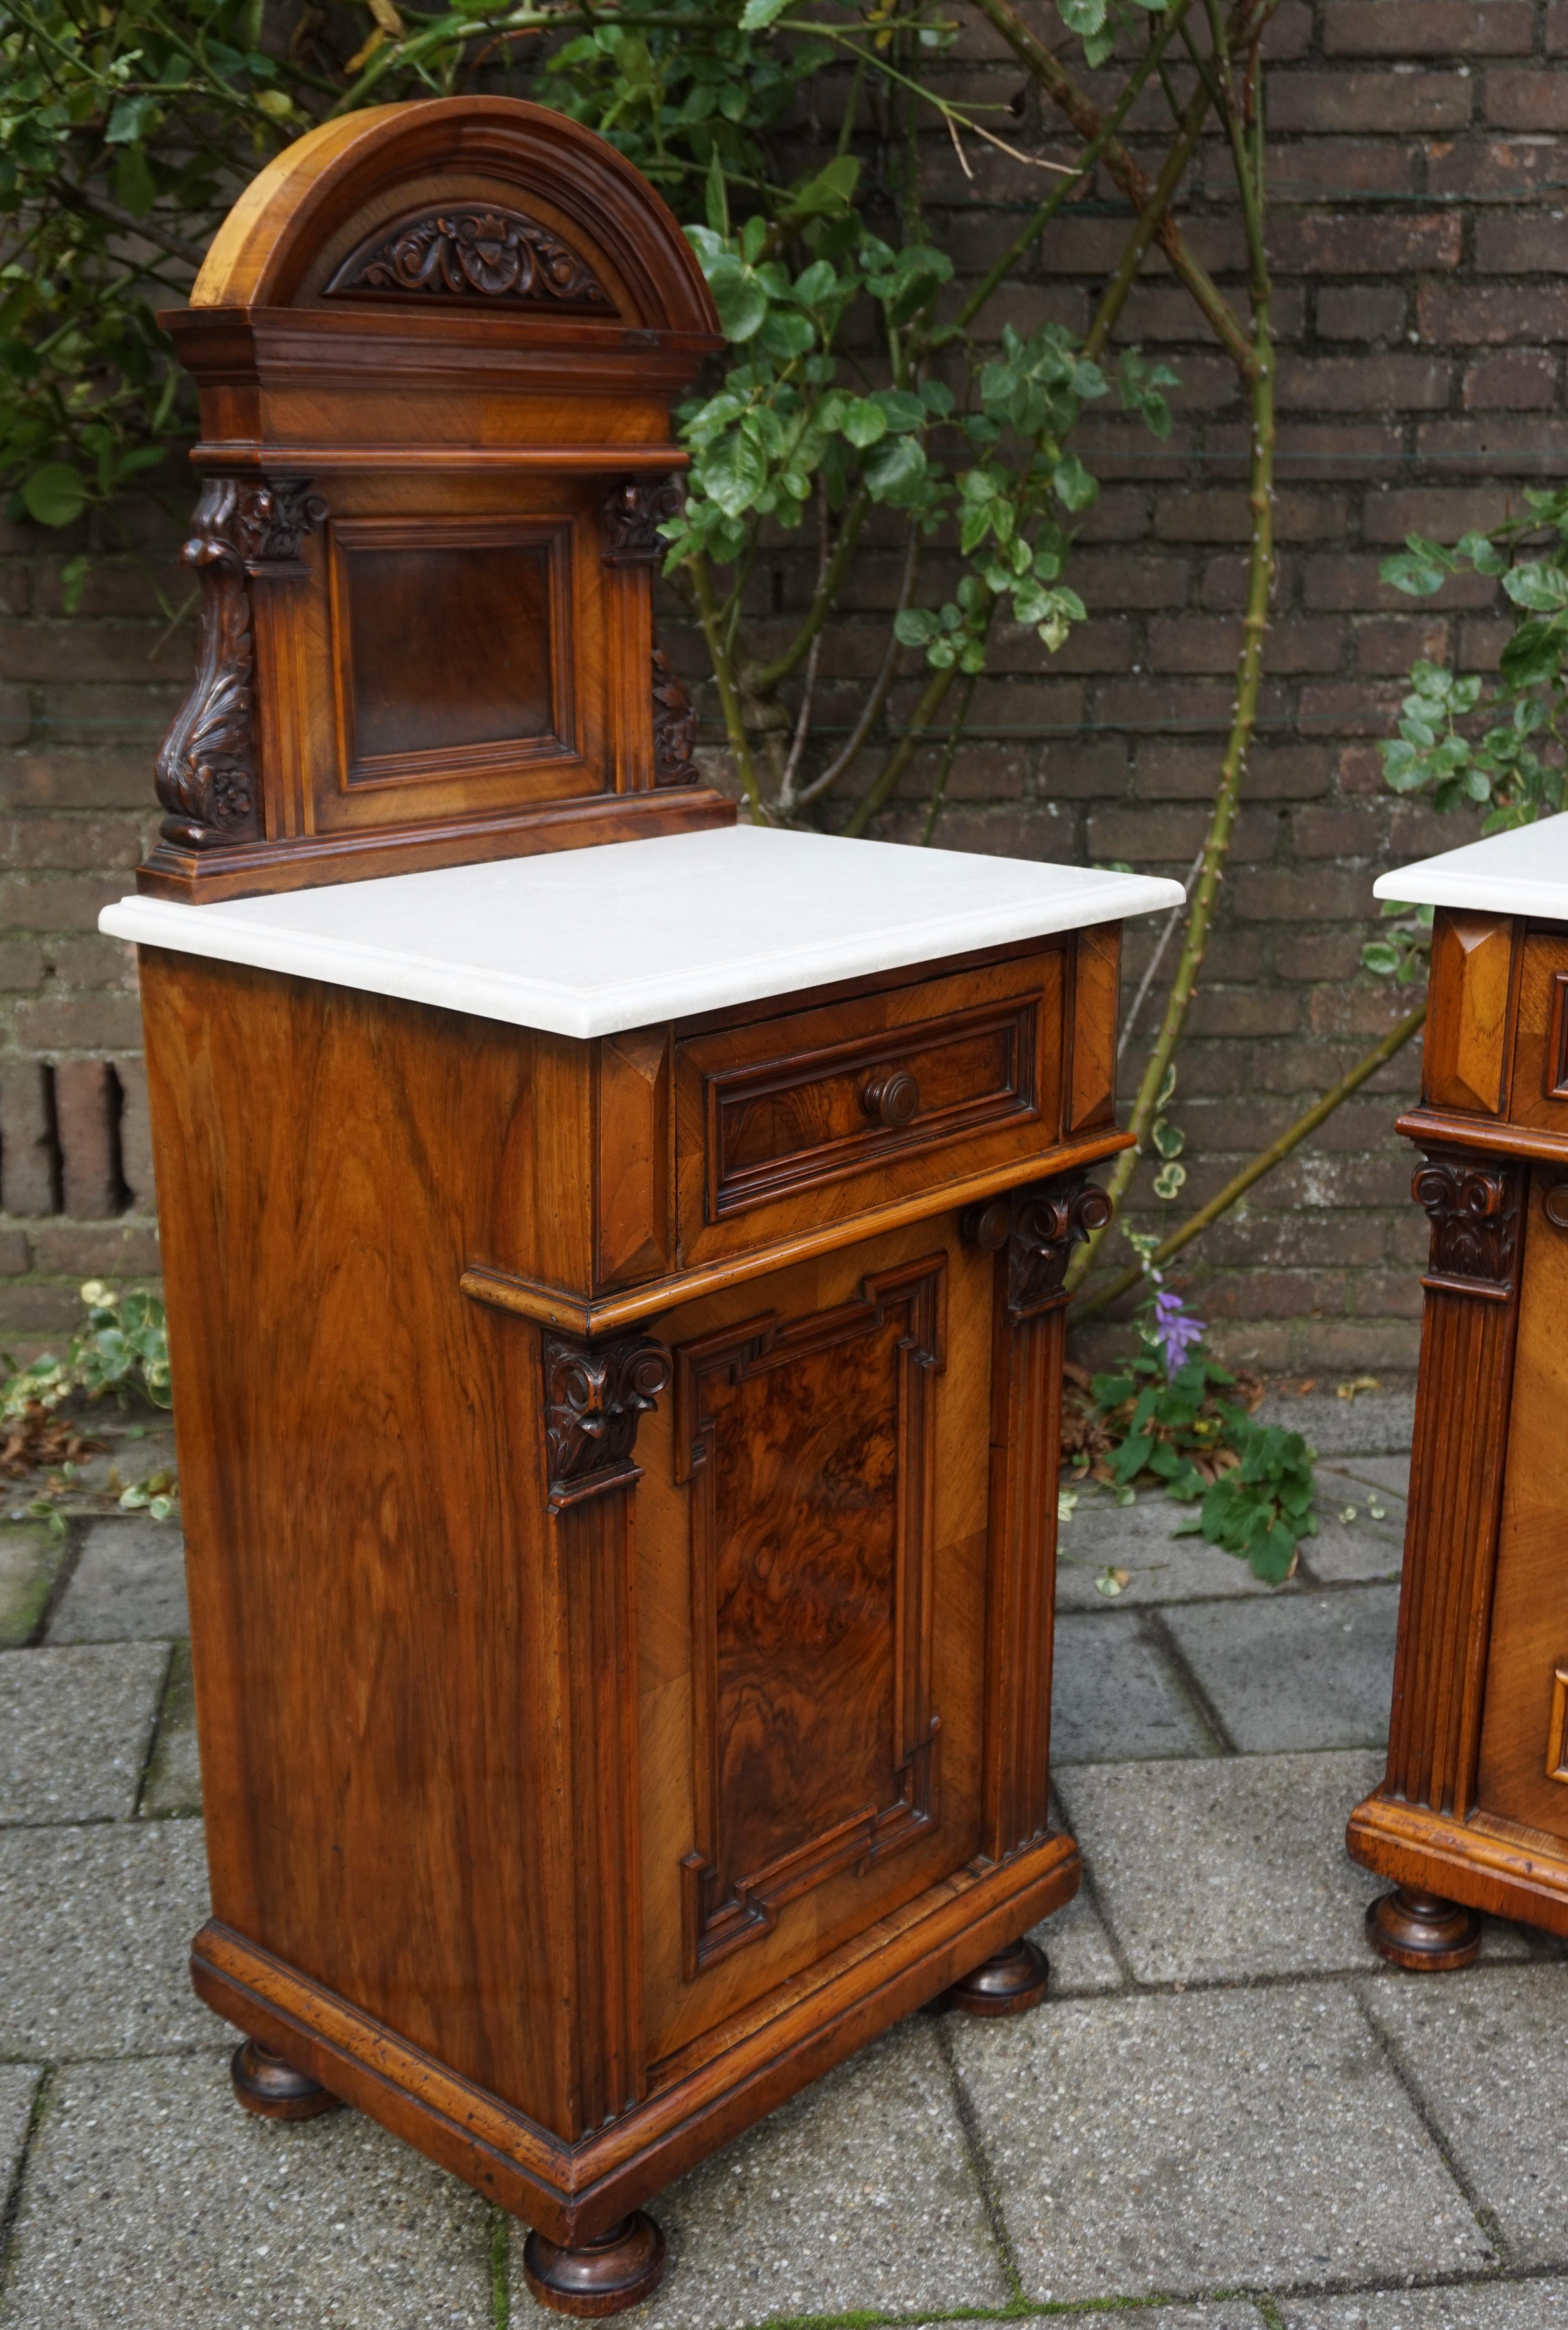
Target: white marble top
point(587, 942)
point(1523, 872)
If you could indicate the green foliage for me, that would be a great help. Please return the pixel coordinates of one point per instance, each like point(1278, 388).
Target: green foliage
point(122, 1346)
point(1173, 1418)
point(1169, 1429)
point(1497, 744)
point(1261, 1508)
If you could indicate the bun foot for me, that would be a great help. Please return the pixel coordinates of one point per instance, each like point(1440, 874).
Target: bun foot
point(273, 2089)
point(1011, 1983)
point(1421, 1931)
point(602, 2276)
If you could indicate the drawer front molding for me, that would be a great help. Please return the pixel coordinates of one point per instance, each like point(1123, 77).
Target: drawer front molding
point(811, 1644)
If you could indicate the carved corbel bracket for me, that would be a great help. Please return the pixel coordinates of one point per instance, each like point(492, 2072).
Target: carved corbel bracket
point(633, 512)
point(1038, 1226)
point(595, 1396)
point(1476, 1205)
point(674, 727)
point(206, 773)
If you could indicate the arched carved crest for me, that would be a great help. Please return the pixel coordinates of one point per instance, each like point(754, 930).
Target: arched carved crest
point(462, 252)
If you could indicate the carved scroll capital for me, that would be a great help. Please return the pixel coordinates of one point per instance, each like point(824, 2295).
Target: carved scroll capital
point(206, 773)
point(595, 1396)
point(1038, 1227)
point(271, 521)
point(633, 512)
point(1476, 1205)
point(471, 251)
point(674, 726)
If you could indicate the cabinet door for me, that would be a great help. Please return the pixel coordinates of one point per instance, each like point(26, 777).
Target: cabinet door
point(812, 1553)
point(1523, 1770)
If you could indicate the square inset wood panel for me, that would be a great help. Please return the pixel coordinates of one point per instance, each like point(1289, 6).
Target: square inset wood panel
point(451, 647)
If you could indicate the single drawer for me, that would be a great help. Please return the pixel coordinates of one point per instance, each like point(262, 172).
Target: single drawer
point(783, 1122)
point(1538, 1093)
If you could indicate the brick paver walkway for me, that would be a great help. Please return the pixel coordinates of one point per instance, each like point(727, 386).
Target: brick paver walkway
point(1229, 2114)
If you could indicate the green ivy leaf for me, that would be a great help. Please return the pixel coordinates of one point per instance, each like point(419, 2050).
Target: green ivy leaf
point(55, 494)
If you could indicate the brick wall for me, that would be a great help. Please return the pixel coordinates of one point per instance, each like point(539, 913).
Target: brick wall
point(1420, 181)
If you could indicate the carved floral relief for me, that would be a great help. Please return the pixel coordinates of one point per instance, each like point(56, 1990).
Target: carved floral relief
point(484, 253)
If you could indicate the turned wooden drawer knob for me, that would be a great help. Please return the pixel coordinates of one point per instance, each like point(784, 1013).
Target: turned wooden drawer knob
point(1556, 1206)
point(892, 1096)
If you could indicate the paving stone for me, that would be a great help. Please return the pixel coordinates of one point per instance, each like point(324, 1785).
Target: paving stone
point(95, 1926)
point(172, 1787)
point(1373, 1423)
point(1489, 2053)
point(129, 1451)
point(1389, 1476)
point(152, 2202)
point(1114, 1696)
point(1496, 2306)
point(856, 2194)
point(1142, 1539)
point(74, 1726)
point(29, 1558)
point(1235, 2314)
point(1082, 1960)
point(1233, 1867)
point(1315, 1672)
point(18, 2087)
point(1364, 1547)
point(1187, 2143)
point(127, 1587)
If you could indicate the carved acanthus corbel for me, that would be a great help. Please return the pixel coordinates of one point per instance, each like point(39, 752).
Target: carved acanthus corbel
point(1039, 1225)
point(595, 1396)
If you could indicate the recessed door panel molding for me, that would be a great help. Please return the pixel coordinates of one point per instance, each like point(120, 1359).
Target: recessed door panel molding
point(451, 648)
point(809, 1446)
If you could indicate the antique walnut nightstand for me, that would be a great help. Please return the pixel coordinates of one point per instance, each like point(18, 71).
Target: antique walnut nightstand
point(614, 1256)
point(1473, 1814)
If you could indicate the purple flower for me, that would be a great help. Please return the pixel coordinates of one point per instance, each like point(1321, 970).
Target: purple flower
point(1175, 1330)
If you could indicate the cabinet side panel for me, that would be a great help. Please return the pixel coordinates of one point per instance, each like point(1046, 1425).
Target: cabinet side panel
point(361, 1456)
point(1522, 1745)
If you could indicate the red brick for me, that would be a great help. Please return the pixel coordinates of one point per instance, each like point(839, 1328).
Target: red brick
point(85, 1097)
point(1557, 27)
point(1336, 832)
point(1520, 166)
point(135, 1143)
point(1236, 1012)
point(1481, 644)
point(1443, 512)
point(980, 772)
point(1518, 380)
point(1352, 242)
point(1377, 102)
point(1332, 167)
point(80, 1023)
point(1360, 311)
point(1278, 894)
point(63, 901)
point(1489, 313)
point(1341, 580)
point(1526, 100)
point(1203, 643)
point(99, 1251)
point(22, 965)
point(1521, 243)
point(1363, 384)
point(1428, 28)
point(1220, 514)
point(1387, 646)
point(1346, 706)
point(26, 1140)
point(1501, 446)
point(1170, 837)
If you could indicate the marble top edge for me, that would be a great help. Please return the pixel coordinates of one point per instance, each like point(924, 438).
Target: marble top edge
point(590, 941)
point(1524, 871)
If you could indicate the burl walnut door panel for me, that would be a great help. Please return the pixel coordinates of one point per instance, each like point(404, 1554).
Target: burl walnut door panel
point(811, 1524)
point(1523, 1770)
